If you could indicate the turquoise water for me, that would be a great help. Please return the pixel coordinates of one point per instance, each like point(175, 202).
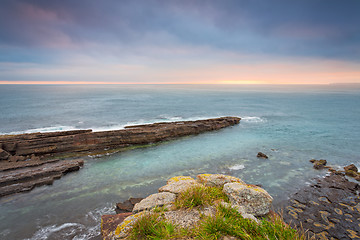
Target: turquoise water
point(291, 124)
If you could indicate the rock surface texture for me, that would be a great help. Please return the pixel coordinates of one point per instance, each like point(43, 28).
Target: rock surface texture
point(88, 141)
point(330, 208)
point(253, 199)
point(248, 200)
point(26, 160)
point(26, 178)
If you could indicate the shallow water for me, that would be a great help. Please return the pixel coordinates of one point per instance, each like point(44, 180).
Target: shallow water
point(290, 124)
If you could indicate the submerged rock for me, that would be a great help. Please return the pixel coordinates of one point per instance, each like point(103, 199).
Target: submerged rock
point(253, 199)
point(318, 164)
point(262, 155)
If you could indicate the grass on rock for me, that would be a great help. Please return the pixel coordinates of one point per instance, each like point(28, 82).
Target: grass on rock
point(199, 196)
point(225, 222)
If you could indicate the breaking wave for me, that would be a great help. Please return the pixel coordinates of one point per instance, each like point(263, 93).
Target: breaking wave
point(237, 167)
point(253, 119)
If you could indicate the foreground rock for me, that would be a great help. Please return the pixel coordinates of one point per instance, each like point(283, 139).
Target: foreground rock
point(330, 208)
point(253, 199)
point(248, 200)
point(26, 178)
point(31, 155)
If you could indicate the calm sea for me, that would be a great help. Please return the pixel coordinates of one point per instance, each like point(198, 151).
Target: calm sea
point(291, 124)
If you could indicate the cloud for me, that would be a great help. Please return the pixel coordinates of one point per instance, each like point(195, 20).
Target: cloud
point(165, 35)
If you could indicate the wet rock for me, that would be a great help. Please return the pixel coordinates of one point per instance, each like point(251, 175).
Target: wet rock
point(329, 208)
point(351, 173)
point(178, 184)
point(155, 200)
point(217, 180)
point(262, 155)
point(4, 155)
point(26, 178)
point(25, 150)
point(84, 141)
point(318, 164)
point(110, 222)
point(351, 167)
point(127, 206)
point(253, 199)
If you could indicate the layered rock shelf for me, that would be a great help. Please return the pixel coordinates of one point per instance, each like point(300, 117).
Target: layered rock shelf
point(328, 209)
point(28, 160)
point(88, 141)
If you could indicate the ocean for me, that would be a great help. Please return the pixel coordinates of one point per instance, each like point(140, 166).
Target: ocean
point(290, 123)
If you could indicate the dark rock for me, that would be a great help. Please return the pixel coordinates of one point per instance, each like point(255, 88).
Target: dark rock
point(134, 201)
point(318, 164)
point(110, 222)
point(357, 178)
point(4, 155)
point(351, 173)
point(262, 155)
point(125, 206)
point(330, 208)
point(26, 178)
point(351, 167)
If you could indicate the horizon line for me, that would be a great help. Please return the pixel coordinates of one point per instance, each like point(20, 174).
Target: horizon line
point(154, 83)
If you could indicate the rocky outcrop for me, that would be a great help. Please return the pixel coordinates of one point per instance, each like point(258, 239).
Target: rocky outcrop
point(330, 208)
point(318, 164)
point(262, 155)
point(84, 141)
point(25, 179)
point(248, 200)
point(26, 160)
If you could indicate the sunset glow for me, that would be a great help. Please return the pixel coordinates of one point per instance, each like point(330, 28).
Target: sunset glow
point(52, 42)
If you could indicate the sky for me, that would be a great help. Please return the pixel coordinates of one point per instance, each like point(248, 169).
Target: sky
point(183, 42)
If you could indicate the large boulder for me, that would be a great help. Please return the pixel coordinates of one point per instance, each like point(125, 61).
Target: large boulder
point(217, 180)
point(155, 200)
point(4, 155)
point(253, 199)
point(179, 184)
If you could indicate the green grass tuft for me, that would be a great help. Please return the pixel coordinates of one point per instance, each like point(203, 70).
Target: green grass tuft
point(199, 196)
